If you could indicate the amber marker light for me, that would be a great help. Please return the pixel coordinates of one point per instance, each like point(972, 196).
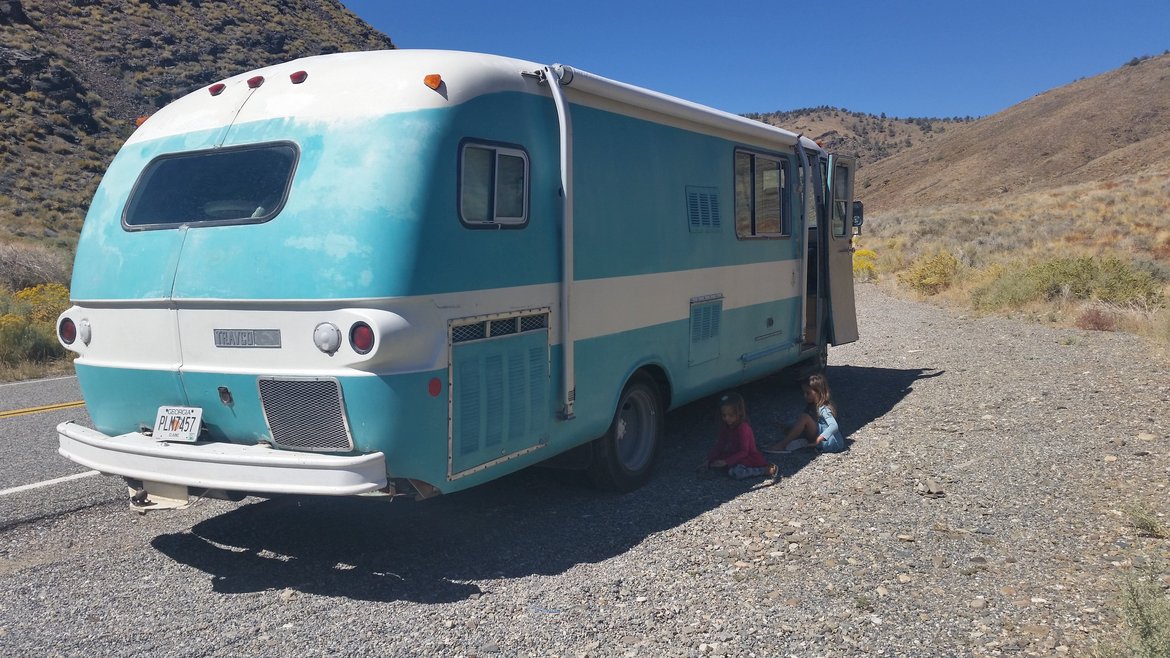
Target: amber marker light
point(434, 81)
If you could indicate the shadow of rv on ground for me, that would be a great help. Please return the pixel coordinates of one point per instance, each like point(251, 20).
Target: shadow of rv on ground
point(536, 522)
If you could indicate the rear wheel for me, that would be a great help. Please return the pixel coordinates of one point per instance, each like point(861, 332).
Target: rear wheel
point(624, 457)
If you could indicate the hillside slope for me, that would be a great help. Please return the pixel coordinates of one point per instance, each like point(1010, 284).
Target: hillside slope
point(867, 137)
point(1104, 127)
point(75, 74)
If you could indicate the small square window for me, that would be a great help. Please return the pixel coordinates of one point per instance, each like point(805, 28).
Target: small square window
point(493, 185)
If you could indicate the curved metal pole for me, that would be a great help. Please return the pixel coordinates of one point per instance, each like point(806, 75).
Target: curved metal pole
point(553, 75)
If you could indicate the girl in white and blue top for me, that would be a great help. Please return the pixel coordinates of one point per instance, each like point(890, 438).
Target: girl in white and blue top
point(818, 424)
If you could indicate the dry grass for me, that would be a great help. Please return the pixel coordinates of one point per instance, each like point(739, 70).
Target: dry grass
point(1095, 255)
point(24, 370)
point(1147, 522)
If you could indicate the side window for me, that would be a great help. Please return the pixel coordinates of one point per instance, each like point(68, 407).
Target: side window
point(840, 210)
point(493, 185)
point(760, 193)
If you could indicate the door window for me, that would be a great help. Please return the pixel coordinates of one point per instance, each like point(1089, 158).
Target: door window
point(841, 219)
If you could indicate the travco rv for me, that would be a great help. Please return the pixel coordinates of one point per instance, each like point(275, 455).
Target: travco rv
point(411, 272)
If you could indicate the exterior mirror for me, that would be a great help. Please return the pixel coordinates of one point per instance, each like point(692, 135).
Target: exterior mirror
point(858, 217)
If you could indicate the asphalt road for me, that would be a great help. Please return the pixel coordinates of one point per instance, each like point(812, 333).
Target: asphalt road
point(29, 414)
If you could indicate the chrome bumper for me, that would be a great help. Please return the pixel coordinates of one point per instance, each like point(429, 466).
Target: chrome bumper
point(226, 466)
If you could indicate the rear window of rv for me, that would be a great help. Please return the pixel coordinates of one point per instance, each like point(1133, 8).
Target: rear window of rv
point(235, 185)
point(493, 186)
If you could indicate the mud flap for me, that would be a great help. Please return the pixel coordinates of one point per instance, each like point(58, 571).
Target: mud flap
point(158, 495)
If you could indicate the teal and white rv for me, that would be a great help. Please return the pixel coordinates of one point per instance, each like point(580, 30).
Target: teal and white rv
point(411, 272)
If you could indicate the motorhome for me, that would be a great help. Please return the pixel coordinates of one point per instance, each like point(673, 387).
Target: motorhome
point(409, 272)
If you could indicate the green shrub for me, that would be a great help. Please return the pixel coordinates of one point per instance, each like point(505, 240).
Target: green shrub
point(932, 274)
point(1109, 280)
point(1147, 609)
point(28, 324)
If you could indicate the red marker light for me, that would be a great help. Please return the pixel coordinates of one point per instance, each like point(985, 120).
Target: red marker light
point(67, 330)
point(217, 88)
point(298, 77)
point(361, 336)
point(434, 387)
point(255, 82)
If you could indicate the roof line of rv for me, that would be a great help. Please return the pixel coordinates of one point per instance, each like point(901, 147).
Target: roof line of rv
point(672, 106)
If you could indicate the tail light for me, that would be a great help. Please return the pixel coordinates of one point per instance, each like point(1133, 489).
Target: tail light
point(361, 337)
point(67, 330)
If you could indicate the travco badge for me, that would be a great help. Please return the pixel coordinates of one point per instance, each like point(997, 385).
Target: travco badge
point(247, 337)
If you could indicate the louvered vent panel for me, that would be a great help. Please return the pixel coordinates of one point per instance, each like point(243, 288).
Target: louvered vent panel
point(517, 395)
point(468, 401)
point(305, 414)
point(703, 209)
point(500, 389)
point(494, 387)
point(705, 320)
point(537, 386)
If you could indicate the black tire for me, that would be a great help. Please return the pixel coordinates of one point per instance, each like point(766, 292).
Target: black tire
point(811, 365)
point(623, 457)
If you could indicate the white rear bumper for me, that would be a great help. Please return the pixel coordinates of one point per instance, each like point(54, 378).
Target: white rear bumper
point(226, 466)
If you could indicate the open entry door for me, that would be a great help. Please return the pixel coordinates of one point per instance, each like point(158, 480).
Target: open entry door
point(838, 250)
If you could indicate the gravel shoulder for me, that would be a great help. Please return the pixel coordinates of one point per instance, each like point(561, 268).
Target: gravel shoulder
point(980, 510)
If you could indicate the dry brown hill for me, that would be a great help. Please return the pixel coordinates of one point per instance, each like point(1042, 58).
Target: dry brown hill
point(867, 137)
point(1099, 128)
point(75, 74)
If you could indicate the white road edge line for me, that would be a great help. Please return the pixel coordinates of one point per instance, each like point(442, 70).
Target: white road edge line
point(47, 483)
point(38, 381)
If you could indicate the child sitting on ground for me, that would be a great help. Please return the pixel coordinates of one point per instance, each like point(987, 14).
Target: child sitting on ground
point(735, 450)
point(818, 424)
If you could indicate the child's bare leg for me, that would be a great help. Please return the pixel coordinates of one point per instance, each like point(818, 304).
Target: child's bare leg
point(805, 427)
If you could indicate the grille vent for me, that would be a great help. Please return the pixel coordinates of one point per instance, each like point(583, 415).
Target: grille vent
point(468, 332)
point(306, 414)
point(703, 209)
point(502, 327)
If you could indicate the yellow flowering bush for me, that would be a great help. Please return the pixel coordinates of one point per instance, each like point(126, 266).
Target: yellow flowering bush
point(864, 265)
point(45, 301)
point(932, 274)
point(28, 323)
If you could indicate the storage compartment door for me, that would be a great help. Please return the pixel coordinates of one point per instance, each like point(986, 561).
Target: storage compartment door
point(500, 400)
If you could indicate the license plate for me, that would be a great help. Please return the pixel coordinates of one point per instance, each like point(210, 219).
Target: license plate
point(178, 424)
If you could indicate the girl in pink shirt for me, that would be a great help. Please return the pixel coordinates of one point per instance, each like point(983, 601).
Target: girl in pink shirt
point(735, 449)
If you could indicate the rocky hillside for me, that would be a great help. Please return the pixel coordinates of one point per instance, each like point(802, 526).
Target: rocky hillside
point(1095, 129)
point(869, 138)
point(76, 74)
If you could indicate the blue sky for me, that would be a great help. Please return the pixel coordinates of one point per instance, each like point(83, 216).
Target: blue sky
point(906, 58)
